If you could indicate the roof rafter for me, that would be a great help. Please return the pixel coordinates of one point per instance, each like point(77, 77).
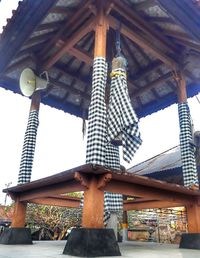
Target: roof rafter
point(73, 21)
point(143, 43)
point(134, 18)
point(80, 33)
point(152, 84)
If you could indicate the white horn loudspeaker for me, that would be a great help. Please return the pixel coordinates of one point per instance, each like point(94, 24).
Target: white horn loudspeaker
point(29, 82)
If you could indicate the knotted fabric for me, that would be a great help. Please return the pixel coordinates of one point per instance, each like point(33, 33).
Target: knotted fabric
point(28, 148)
point(122, 120)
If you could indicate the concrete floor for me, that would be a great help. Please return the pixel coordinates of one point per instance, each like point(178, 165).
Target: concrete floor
point(54, 249)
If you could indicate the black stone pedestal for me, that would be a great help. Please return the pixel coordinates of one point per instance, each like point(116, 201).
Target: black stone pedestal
point(190, 241)
point(89, 242)
point(16, 236)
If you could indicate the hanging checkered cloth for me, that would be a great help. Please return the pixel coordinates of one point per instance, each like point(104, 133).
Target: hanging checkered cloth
point(122, 119)
point(190, 176)
point(28, 148)
point(99, 150)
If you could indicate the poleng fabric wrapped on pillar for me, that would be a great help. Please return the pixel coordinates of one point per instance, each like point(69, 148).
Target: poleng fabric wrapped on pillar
point(97, 130)
point(99, 150)
point(122, 120)
point(28, 148)
point(189, 169)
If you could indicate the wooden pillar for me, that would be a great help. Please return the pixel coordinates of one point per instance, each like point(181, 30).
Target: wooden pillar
point(35, 101)
point(189, 170)
point(193, 218)
point(181, 90)
point(125, 226)
point(19, 215)
point(100, 32)
point(93, 209)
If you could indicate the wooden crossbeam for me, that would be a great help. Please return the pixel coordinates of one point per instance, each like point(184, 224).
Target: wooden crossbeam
point(77, 52)
point(81, 55)
point(79, 34)
point(45, 191)
point(143, 43)
point(132, 189)
point(61, 202)
point(150, 205)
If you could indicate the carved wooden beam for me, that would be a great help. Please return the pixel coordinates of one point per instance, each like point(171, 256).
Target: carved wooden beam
point(103, 180)
point(83, 179)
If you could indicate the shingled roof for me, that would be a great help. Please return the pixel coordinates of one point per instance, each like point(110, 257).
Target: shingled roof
point(157, 37)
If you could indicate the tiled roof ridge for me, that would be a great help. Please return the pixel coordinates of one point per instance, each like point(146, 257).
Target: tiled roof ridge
point(15, 14)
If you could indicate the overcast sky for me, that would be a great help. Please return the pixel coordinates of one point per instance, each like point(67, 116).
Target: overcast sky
point(60, 144)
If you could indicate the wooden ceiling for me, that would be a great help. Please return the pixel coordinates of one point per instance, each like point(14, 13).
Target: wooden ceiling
point(157, 38)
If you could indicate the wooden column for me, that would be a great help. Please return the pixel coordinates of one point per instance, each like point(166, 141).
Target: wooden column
point(125, 226)
point(100, 32)
point(193, 218)
point(35, 101)
point(181, 90)
point(93, 209)
point(19, 215)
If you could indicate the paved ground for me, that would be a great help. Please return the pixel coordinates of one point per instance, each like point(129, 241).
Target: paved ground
point(54, 249)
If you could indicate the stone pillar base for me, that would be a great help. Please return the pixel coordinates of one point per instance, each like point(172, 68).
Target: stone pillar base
point(190, 241)
point(89, 242)
point(16, 236)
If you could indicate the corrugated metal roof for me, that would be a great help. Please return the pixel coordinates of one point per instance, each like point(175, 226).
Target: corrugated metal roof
point(167, 160)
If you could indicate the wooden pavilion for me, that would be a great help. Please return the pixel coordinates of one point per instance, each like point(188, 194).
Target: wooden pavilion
point(160, 40)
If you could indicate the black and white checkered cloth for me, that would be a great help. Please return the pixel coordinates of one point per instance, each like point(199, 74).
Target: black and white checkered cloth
point(99, 150)
point(28, 148)
point(190, 176)
point(96, 136)
point(122, 119)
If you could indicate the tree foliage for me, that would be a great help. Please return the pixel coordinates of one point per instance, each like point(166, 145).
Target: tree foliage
point(52, 222)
